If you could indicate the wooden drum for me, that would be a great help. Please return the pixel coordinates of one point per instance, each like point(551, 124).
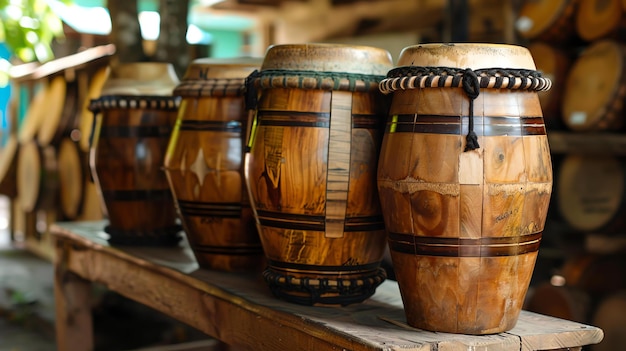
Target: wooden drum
point(204, 165)
point(311, 171)
point(136, 114)
point(594, 91)
point(596, 19)
point(464, 179)
point(37, 177)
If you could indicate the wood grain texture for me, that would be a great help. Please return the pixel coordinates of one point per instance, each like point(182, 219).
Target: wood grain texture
point(464, 227)
point(239, 309)
point(204, 167)
point(311, 171)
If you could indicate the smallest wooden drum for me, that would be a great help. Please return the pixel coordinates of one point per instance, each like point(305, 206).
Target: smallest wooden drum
point(136, 113)
point(204, 165)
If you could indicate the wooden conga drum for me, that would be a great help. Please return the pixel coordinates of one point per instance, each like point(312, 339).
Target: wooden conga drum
point(464, 179)
point(594, 91)
point(136, 114)
point(204, 165)
point(311, 171)
point(552, 21)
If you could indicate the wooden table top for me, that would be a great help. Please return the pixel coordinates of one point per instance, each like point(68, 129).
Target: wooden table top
point(240, 310)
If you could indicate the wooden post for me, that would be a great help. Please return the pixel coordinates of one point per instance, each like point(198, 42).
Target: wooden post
point(72, 294)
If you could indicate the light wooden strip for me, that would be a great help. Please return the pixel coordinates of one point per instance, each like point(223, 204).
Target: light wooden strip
point(338, 177)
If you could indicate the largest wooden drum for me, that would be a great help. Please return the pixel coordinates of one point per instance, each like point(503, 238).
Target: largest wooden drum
point(311, 171)
point(465, 216)
point(204, 165)
point(136, 114)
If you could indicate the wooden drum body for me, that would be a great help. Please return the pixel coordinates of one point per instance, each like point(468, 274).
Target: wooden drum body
point(136, 116)
point(311, 171)
point(204, 165)
point(464, 224)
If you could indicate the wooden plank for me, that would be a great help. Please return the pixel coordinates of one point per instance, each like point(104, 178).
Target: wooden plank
point(240, 310)
point(338, 171)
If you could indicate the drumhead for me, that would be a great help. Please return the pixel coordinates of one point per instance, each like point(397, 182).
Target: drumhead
point(35, 114)
point(71, 178)
point(592, 89)
point(590, 191)
point(85, 123)
point(596, 19)
point(29, 174)
point(8, 167)
point(55, 102)
point(537, 16)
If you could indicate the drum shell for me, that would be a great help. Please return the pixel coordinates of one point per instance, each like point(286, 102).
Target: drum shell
point(311, 171)
point(296, 185)
point(464, 227)
point(126, 163)
point(204, 167)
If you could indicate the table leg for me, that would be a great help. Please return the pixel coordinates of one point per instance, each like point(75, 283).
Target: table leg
point(72, 294)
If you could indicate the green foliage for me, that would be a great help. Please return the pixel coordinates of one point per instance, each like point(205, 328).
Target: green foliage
point(28, 27)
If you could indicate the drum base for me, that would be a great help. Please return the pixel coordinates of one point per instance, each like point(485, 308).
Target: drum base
point(169, 236)
point(323, 291)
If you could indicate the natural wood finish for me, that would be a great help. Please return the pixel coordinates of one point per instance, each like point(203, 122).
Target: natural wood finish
point(204, 165)
point(594, 91)
point(597, 19)
point(239, 310)
point(47, 102)
point(60, 114)
point(611, 316)
point(311, 174)
point(132, 135)
point(592, 192)
point(8, 167)
point(554, 63)
point(86, 120)
point(37, 177)
point(464, 226)
point(72, 165)
point(551, 21)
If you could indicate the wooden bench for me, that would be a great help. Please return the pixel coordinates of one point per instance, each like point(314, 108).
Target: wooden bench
point(240, 311)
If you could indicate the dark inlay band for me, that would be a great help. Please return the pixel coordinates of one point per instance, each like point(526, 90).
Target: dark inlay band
point(464, 247)
point(135, 132)
point(213, 126)
point(229, 250)
point(309, 268)
point(316, 223)
point(483, 126)
point(294, 118)
point(136, 195)
point(209, 209)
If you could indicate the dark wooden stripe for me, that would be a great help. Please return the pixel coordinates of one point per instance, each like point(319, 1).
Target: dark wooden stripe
point(293, 118)
point(210, 209)
point(317, 223)
point(136, 195)
point(483, 126)
point(135, 132)
point(324, 269)
point(464, 247)
point(214, 126)
point(229, 250)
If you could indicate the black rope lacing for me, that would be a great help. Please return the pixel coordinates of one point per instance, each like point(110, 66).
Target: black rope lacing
point(471, 81)
point(471, 87)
